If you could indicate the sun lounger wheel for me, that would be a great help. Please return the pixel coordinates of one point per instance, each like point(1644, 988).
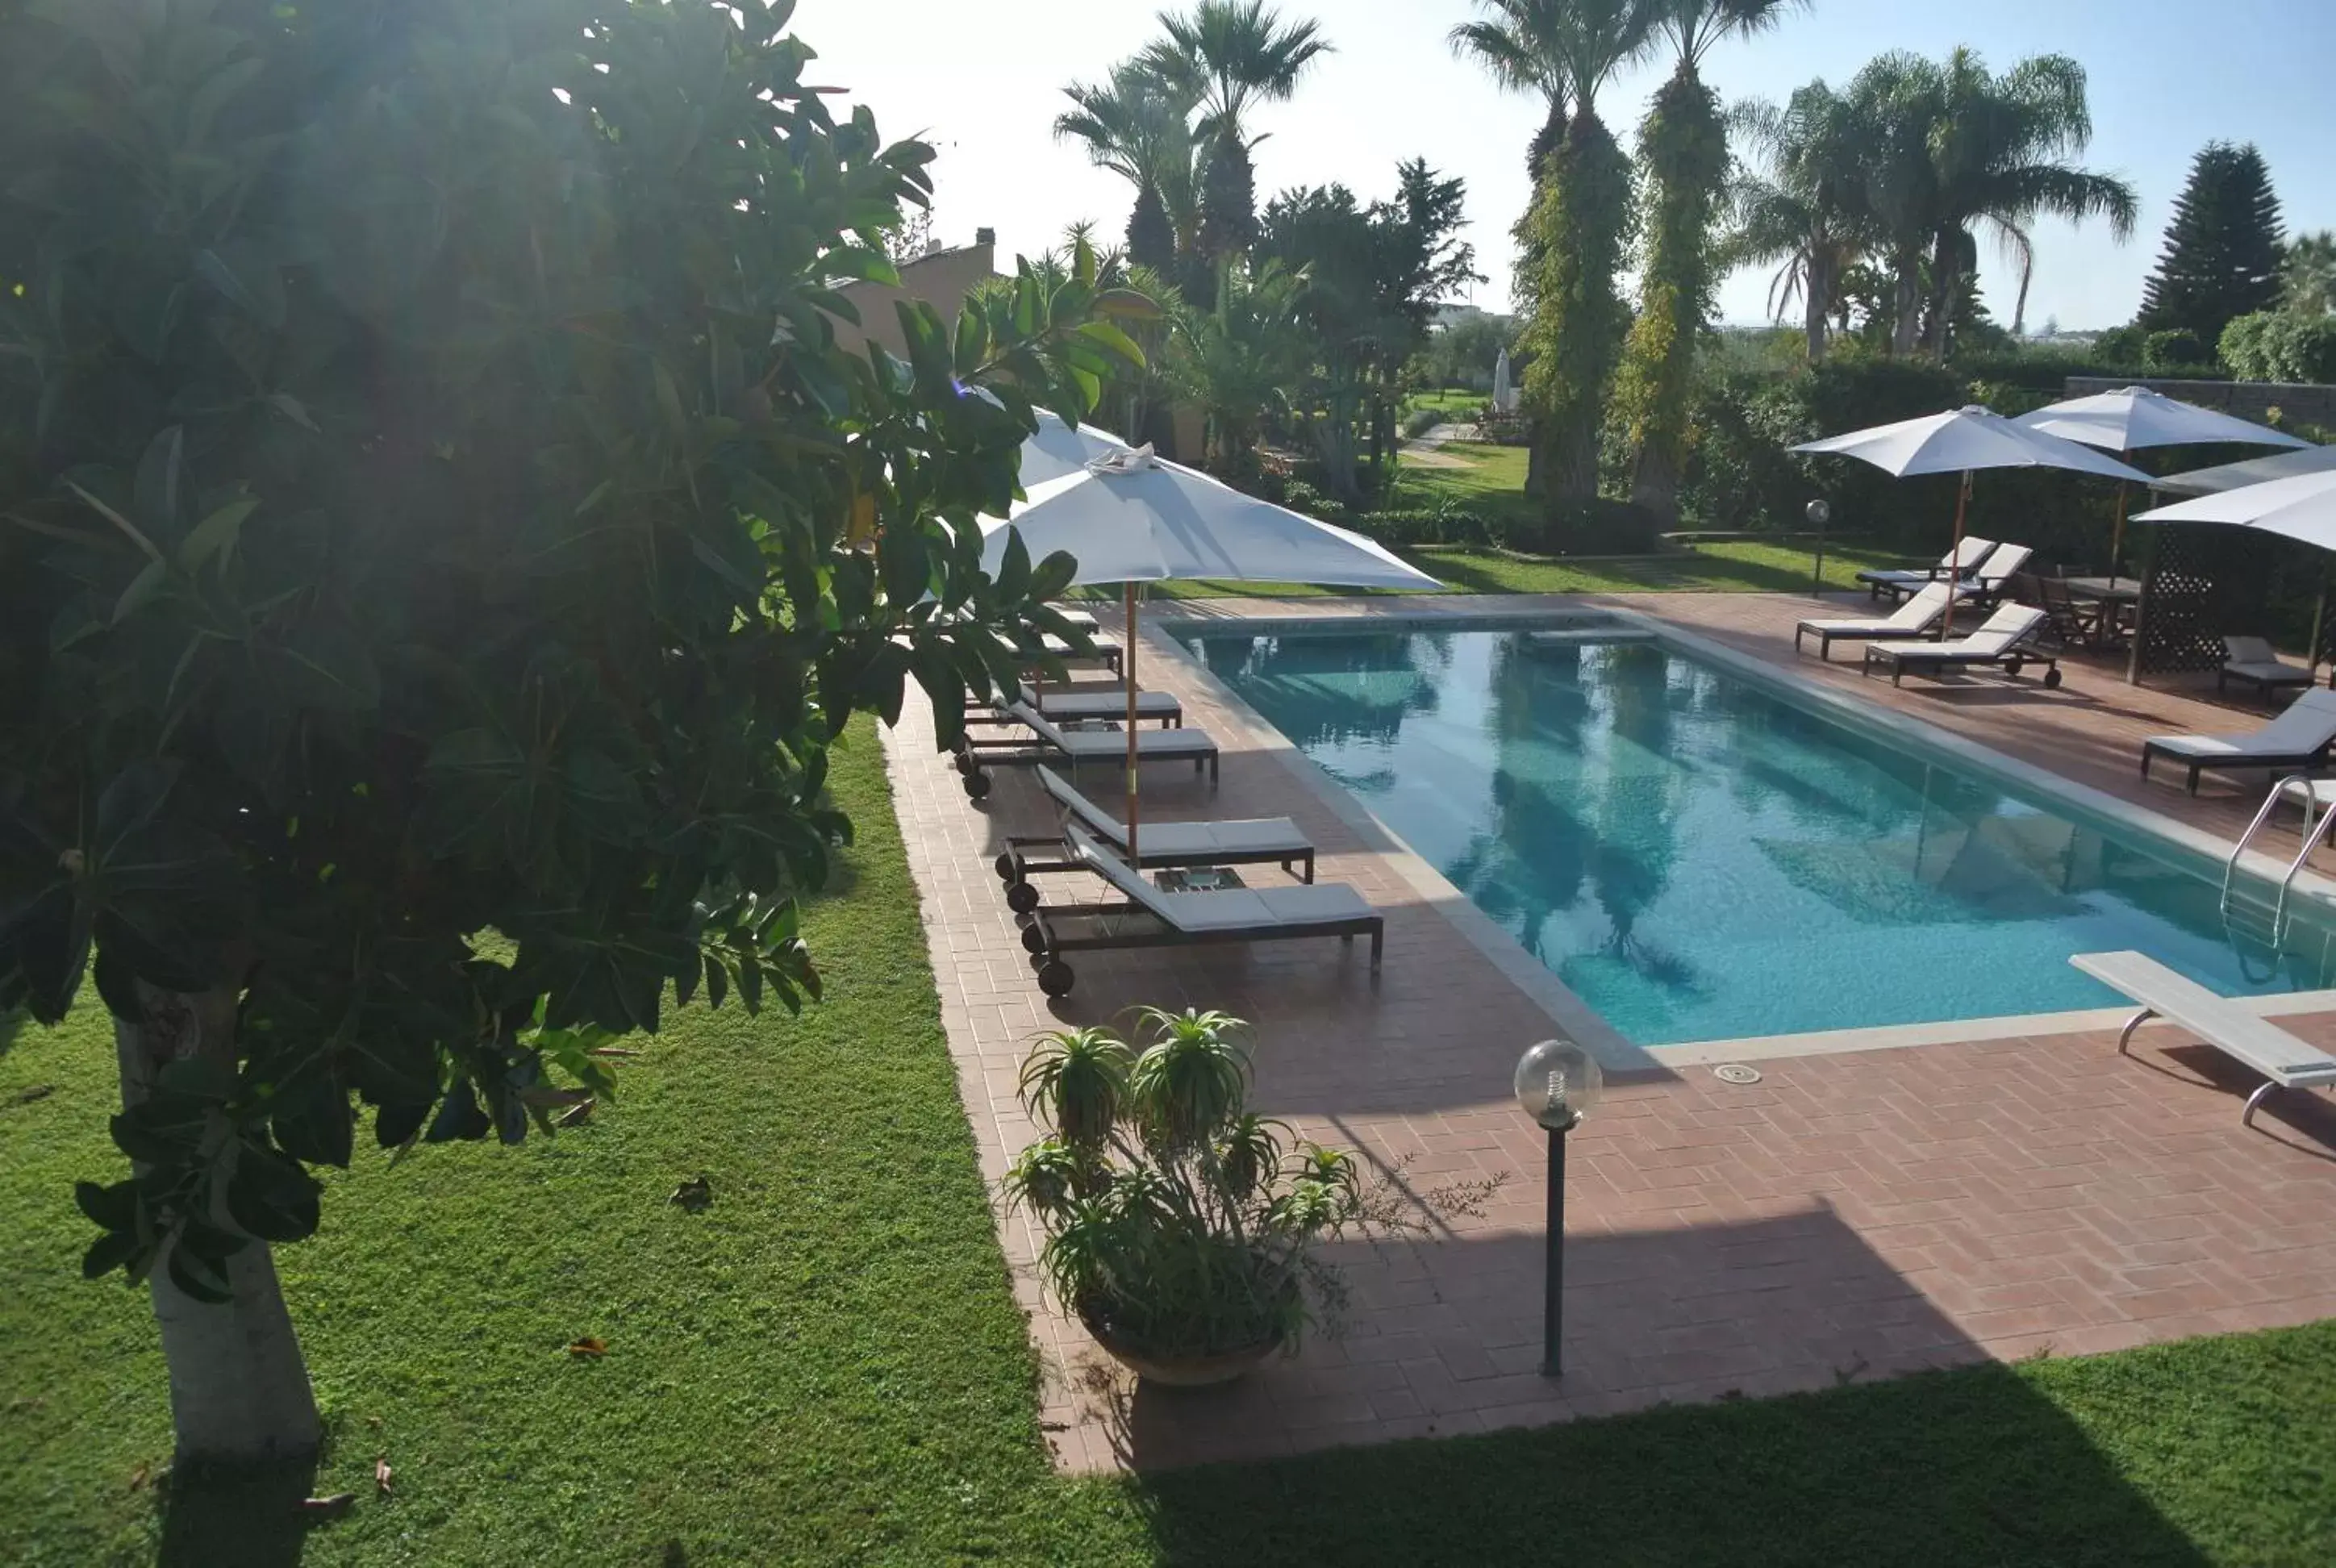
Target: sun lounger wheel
point(2052, 679)
point(1021, 898)
point(1034, 940)
point(1054, 979)
point(1004, 866)
point(976, 785)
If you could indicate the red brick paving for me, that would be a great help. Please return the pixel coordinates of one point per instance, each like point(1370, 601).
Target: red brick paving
point(1849, 1216)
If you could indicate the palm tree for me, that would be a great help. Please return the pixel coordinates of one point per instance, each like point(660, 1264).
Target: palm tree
point(1897, 101)
point(1227, 56)
point(1237, 361)
point(1137, 126)
point(1997, 152)
point(2307, 275)
point(1574, 235)
point(1683, 149)
point(1809, 213)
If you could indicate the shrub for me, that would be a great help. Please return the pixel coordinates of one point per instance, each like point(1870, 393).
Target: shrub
point(2174, 351)
point(1448, 524)
point(1420, 420)
point(1179, 1222)
point(2280, 346)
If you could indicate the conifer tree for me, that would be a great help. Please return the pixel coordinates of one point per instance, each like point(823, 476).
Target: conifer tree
point(2223, 248)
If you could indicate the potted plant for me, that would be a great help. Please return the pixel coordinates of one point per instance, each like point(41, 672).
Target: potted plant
point(1180, 1225)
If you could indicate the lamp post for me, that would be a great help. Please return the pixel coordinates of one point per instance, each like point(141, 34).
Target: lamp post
point(1556, 1082)
point(1819, 513)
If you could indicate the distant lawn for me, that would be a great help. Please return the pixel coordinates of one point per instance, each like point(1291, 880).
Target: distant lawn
point(1451, 400)
point(827, 1365)
point(1491, 485)
point(1723, 566)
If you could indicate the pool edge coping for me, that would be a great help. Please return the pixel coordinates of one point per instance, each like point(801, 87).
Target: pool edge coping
point(1564, 1008)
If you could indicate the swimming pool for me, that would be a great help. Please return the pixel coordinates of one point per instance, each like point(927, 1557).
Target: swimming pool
point(1696, 858)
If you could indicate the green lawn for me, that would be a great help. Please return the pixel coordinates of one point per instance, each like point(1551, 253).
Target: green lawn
point(1451, 399)
point(1731, 566)
point(827, 1367)
point(1492, 483)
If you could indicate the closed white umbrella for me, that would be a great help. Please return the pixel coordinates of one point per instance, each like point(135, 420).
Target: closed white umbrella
point(2302, 508)
point(1961, 441)
point(1505, 395)
point(1131, 517)
point(2132, 417)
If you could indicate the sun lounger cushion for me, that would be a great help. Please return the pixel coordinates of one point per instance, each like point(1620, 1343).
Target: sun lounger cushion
point(1231, 909)
point(2005, 628)
point(1056, 702)
point(2306, 726)
point(1913, 616)
point(1252, 838)
point(1089, 745)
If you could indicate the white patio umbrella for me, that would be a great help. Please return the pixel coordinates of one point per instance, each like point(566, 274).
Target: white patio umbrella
point(1504, 393)
point(2132, 417)
point(1060, 448)
point(2302, 508)
point(1961, 441)
point(1130, 517)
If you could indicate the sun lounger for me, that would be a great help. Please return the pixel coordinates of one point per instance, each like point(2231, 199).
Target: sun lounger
point(2284, 1061)
point(1078, 704)
point(1147, 918)
point(2252, 661)
point(2299, 738)
point(1106, 655)
point(1915, 617)
point(1961, 562)
point(1050, 743)
point(1994, 574)
point(2005, 641)
point(1252, 840)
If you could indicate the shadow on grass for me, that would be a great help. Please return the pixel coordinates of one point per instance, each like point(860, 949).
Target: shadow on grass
point(1969, 1464)
point(214, 1517)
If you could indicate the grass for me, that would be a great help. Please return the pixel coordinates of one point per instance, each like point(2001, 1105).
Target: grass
point(1457, 400)
point(1487, 480)
point(1720, 566)
point(827, 1365)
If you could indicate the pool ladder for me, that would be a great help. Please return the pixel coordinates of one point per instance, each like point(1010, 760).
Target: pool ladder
point(2316, 827)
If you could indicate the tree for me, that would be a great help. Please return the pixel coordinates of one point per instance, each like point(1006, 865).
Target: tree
point(1809, 213)
point(1683, 156)
point(2307, 275)
point(1227, 56)
point(1374, 276)
point(2222, 250)
point(440, 536)
point(1137, 126)
point(1997, 152)
point(1237, 360)
point(1574, 238)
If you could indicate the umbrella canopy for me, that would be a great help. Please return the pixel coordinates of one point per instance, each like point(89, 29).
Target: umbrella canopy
point(2253, 470)
point(1059, 449)
point(2134, 416)
point(1964, 439)
point(1130, 517)
point(1133, 517)
point(2302, 508)
point(1959, 442)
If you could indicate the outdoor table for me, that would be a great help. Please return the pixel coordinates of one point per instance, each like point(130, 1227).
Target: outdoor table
point(2115, 595)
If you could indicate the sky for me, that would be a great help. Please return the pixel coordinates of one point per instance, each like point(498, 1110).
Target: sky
point(982, 80)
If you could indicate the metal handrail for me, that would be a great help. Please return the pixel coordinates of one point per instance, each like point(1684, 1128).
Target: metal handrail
point(2262, 814)
point(2310, 842)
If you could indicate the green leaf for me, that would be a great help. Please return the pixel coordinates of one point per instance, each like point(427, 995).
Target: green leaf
point(215, 535)
point(248, 277)
point(142, 589)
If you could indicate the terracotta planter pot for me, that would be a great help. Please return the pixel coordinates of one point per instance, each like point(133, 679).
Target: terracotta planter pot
point(1180, 1371)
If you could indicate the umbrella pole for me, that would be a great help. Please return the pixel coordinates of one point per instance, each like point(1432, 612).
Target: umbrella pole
point(1127, 668)
point(2117, 536)
point(2318, 619)
point(1955, 557)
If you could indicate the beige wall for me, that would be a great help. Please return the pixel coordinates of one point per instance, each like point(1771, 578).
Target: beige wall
point(939, 278)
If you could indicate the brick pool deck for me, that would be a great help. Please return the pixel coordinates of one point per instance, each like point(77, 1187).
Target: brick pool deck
point(1849, 1216)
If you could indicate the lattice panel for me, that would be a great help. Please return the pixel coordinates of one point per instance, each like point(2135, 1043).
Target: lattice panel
point(2202, 582)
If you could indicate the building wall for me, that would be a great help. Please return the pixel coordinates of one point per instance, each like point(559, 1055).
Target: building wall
point(941, 278)
point(2248, 399)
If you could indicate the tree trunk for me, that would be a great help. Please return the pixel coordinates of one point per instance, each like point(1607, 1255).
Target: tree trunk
point(1816, 297)
point(1905, 329)
point(240, 1391)
point(1946, 278)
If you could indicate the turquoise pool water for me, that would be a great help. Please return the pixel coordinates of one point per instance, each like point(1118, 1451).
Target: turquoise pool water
point(1697, 858)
